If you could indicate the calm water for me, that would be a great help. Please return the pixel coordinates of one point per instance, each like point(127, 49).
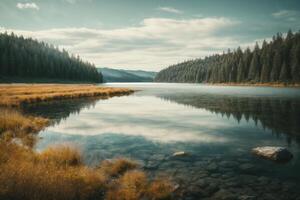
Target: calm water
point(217, 126)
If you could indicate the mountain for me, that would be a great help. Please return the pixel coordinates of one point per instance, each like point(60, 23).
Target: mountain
point(120, 75)
point(29, 60)
point(277, 61)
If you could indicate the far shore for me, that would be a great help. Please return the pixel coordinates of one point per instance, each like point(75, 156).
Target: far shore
point(277, 85)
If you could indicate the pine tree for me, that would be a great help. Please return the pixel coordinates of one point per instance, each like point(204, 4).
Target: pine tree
point(253, 70)
point(283, 73)
point(277, 63)
point(241, 71)
point(295, 63)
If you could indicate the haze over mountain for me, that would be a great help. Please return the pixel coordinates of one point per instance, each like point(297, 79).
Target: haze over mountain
point(119, 75)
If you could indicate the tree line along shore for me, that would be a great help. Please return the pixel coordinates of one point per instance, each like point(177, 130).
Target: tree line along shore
point(28, 59)
point(274, 63)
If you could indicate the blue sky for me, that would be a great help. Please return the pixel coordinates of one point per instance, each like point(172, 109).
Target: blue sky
point(152, 34)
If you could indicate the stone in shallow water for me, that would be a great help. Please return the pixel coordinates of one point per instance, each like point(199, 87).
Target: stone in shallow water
point(247, 197)
point(223, 195)
point(247, 167)
point(278, 154)
point(180, 153)
point(212, 167)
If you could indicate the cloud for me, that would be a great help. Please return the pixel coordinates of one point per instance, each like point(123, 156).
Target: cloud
point(170, 10)
point(153, 44)
point(289, 15)
point(70, 1)
point(27, 6)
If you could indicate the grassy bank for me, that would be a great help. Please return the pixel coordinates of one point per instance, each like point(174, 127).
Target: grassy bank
point(59, 172)
point(16, 94)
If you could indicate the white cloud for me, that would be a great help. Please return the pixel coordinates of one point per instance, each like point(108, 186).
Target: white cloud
point(152, 45)
point(170, 10)
point(289, 15)
point(27, 6)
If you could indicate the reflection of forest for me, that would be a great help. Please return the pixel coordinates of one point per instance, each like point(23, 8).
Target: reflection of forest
point(58, 110)
point(281, 115)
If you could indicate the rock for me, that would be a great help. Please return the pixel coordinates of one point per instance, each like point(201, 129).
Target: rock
point(151, 164)
point(228, 164)
point(247, 197)
point(223, 195)
point(179, 154)
point(247, 167)
point(212, 167)
point(278, 154)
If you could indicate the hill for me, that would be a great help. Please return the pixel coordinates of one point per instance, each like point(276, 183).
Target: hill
point(275, 62)
point(120, 75)
point(28, 60)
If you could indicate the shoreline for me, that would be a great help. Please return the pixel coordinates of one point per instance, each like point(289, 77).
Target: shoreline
point(18, 94)
point(275, 85)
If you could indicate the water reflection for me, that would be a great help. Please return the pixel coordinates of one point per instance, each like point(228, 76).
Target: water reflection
point(59, 110)
point(217, 126)
point(281, 115)
point(147, 116)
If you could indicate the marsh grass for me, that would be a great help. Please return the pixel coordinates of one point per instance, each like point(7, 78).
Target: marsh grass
point(14, 125)
point(53, 174)
point(15, 95)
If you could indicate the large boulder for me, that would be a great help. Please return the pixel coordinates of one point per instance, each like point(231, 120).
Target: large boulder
point(278, 154)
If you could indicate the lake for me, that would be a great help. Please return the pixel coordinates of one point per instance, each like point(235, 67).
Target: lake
point(217, 126)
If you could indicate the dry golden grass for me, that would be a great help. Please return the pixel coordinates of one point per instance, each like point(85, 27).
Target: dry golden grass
point(61, 155)
point(14, 95)
point(27, 175)
point(117, 167)
point(160, 189)
point(131, 186)
point(14, 125)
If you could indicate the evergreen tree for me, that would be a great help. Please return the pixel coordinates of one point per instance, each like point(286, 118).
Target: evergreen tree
point(20, 57)
point(276, 61)
point(283, 73)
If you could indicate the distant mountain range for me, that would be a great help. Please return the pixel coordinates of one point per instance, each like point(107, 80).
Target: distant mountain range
point(121, 75)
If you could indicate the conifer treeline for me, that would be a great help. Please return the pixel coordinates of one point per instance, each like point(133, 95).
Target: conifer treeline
point(276, 61)
point(28, 58)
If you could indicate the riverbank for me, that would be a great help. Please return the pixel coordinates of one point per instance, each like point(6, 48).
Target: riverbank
point(16, 94)
point(59, 171)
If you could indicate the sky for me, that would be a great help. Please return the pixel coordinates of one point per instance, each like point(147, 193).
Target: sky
point(148, 34)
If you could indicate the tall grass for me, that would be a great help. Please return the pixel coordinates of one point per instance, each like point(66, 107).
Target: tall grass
point(14, 124)
point(14, 95)
point(58, 173)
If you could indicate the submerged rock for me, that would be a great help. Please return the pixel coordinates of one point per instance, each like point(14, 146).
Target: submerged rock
point(212, 167)
point(246, 167)
point(279, 154)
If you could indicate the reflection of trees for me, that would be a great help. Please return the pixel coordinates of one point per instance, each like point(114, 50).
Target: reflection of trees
point(58, 110)
point(281, 115)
